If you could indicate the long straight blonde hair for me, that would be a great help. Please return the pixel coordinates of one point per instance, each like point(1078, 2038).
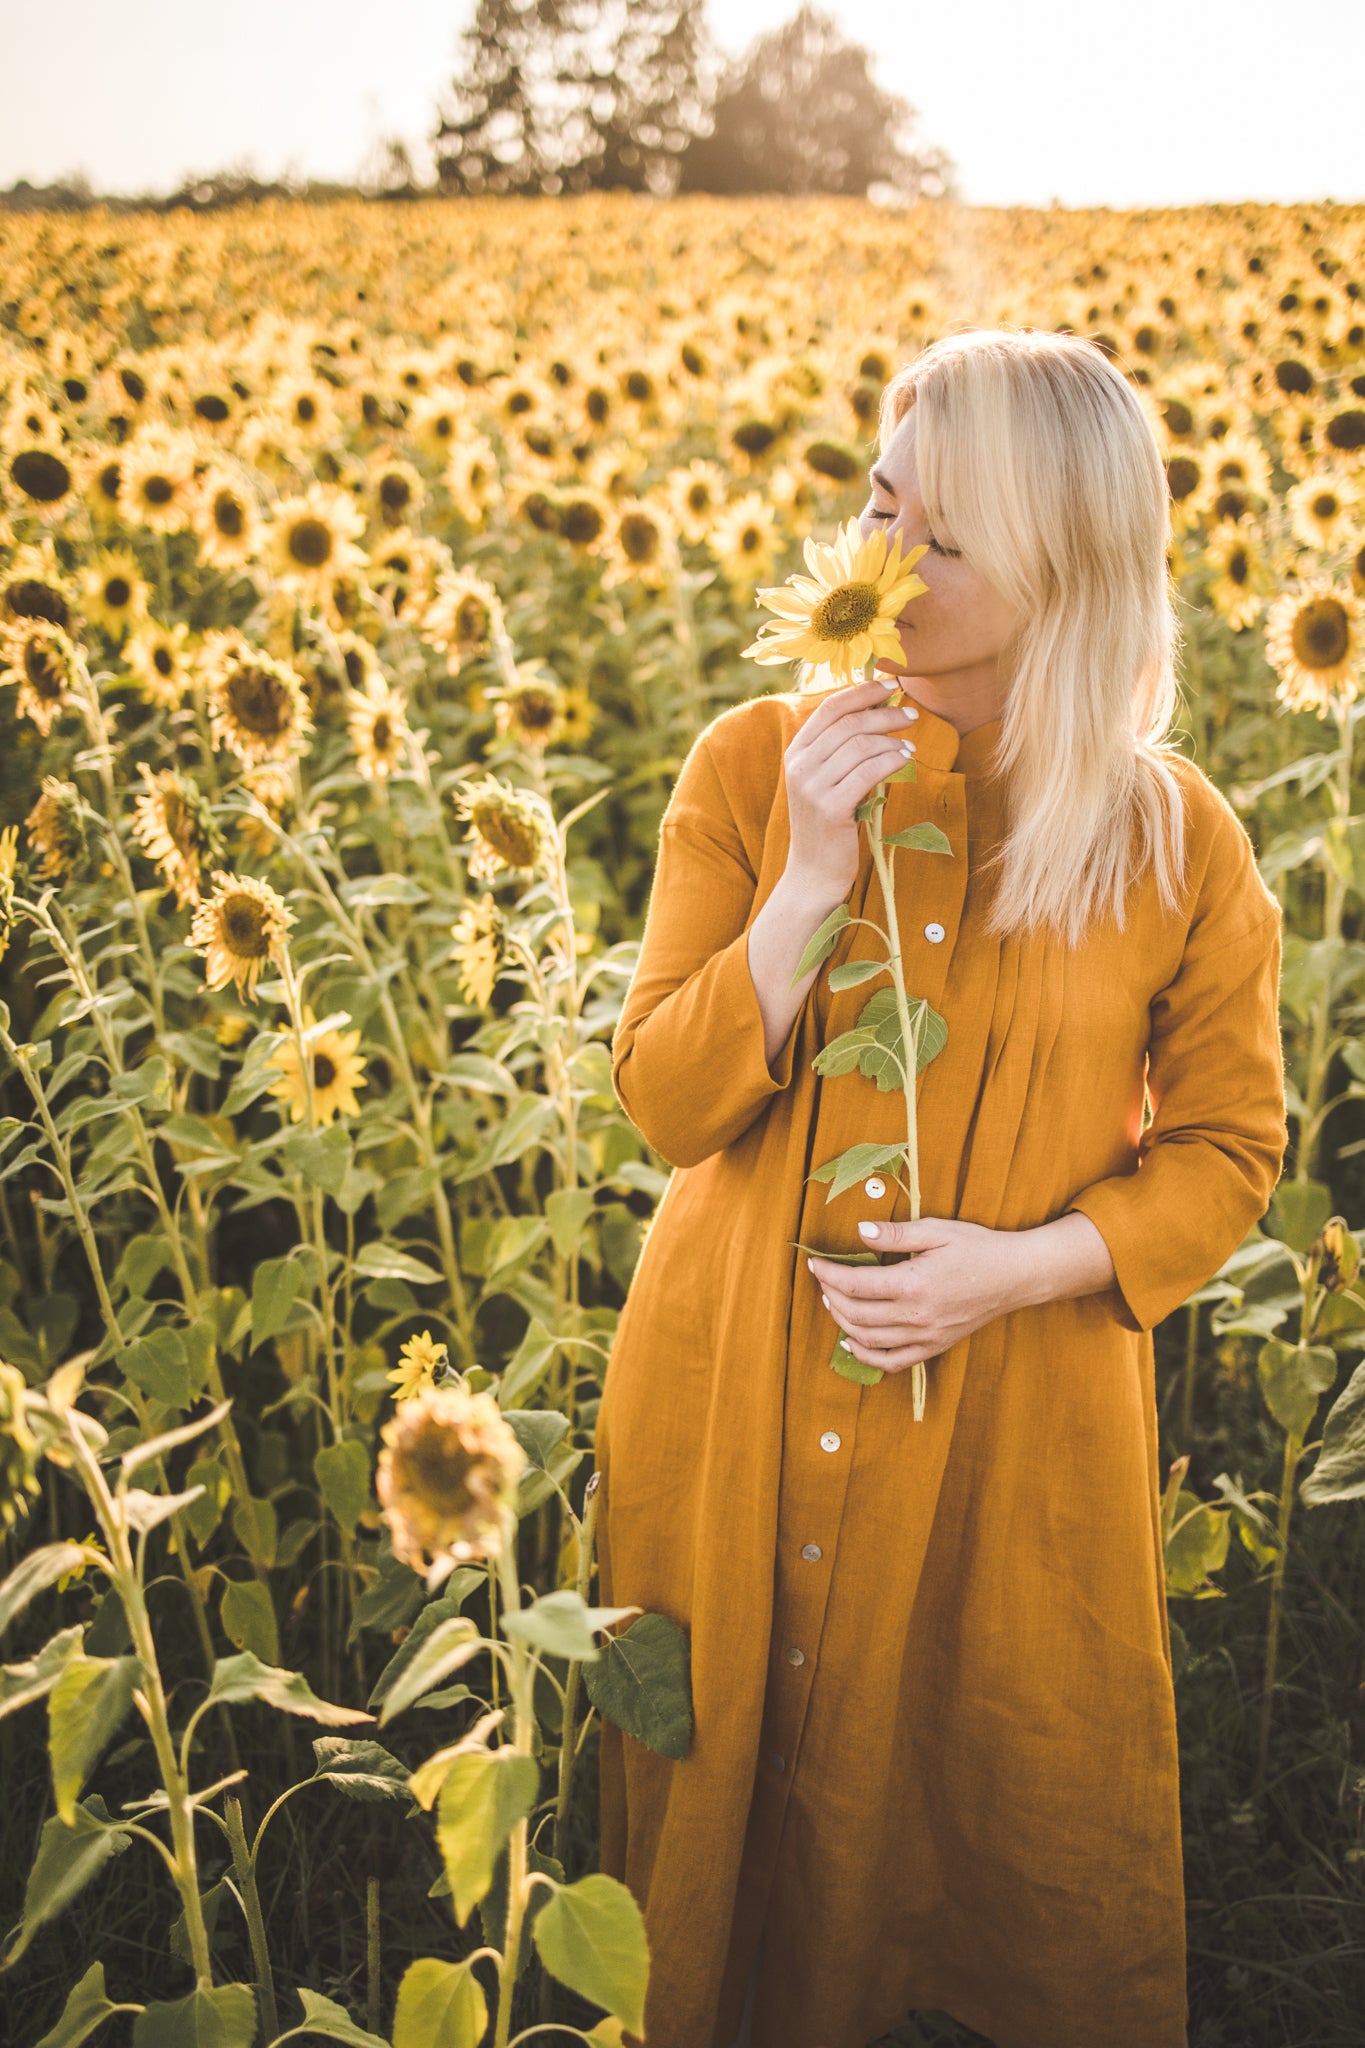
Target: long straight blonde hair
point(1038, 461)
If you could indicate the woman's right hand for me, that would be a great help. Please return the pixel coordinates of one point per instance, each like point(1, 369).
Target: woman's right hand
point(852, 741)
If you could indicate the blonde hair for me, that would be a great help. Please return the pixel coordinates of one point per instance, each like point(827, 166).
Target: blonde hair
point(1039, 462)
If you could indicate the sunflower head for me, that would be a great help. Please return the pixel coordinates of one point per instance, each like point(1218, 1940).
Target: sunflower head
point(509, 829)
point(463, 618)
point(337, 1070)
point(447, 1479)
point(845, 612)
point(33, 587)
point(529, 709)
point(419, 1361)
point(43, 660)
point(1314, 643)
point(240, 928)
point(57, 830)
point(174, 824)
point(257, 705)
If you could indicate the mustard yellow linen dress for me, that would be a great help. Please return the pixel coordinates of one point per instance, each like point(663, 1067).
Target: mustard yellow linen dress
point(934, 1760)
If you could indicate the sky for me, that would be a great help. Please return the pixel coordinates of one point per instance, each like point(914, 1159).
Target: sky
point(1037, 101)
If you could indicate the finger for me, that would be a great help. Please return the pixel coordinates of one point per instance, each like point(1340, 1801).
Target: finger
point(863, 1283)
point(891, 1360)
point(840, 704)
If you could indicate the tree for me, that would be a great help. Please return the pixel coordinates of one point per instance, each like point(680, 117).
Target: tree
point(802, 114)
point(563, 95)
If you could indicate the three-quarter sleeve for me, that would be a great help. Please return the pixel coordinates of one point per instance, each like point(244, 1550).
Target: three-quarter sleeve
point(688, 1061)
point(1209, 1159)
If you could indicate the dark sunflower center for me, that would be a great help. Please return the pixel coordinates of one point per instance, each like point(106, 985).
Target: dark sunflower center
point(324, 1070)
point(109, 482)
point(395, 492)
point(45, 670)
point(1347, 431)
point(580, 522)
point(639, 537)
point(698, 497)
point(1182, 475)
point(260, 701)
point(519, 402)
point(310, 543)
point(535, 709)
point(381, 733)
point(243, 927)
point(31, 598)
point(471, 622)
point(305, 410)
point(212, 407)
point(1178, 417)
point(1239, 566)
point(118, 592)
point(846, 612)
point(229, 515)
point(163, 661)
point(158, 490)
point(1231, 504)
point(638, 386)
point(1322, 633)
point(354, 665)
point(1326, 505)
point(41, 475)
point(1294, 377)
point(750, 540)
point(597, 405)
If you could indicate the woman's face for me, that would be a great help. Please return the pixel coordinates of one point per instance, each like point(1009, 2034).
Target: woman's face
point(955, 631)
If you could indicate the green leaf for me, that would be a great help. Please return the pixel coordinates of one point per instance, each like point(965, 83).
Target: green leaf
point(1339, 1473)
point(222, 2018)
point(362, 1770)
point(141, 1259)
point(160, 1365)
point(1298, 1210)
point(568, 1210)
point(850, 1368)
point(322, 1157)
point(485, 1793)
point(275, 1286)
point(591, 1936)
point(68, 1858)
point(21, 1684)
point(822, 942)
point(439, 2002)
point(88, 2005)
point(921, 839)
point(458, 1588)
point(204, 1514)
point(642, 1682)
point(854, 1164)
point(366, 891)
point(450, 1646)
point(855, 971)
point(85, 1709)
point(343, 1475)
point(248, 1617)
point(882, 1060)
point(511, 1239)
point(34, 1574)
point(1293, 1379)
point(529, 1363)
point(257, 1528)
point(1198, 1544)
point(562, 1625)
point(379, 1261)
point(323, 2016)
point(247, 1678)
point(539, 1431)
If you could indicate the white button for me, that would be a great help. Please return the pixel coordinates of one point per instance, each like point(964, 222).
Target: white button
point(795, 1656)
point(779, 1763)
point(812, 1552)
point(829, 1441)
point(876, 1187)
point(933, 932)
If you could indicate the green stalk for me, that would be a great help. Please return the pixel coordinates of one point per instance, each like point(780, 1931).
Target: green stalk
point(244, 1864)
point(1320, 1045)
point(1293, 1451)
point(568, 1754)
point(522, 1683)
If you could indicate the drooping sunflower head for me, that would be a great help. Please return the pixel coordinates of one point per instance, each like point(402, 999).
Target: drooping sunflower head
point(58, 830)
point(173, 823)
point(845, 612)
point(257, 705)
point(1314, 642)
point(33, 587)
point(241, 928)
point(509, 829)
point(447, 1479)
point(463, 618)
point(43, 661)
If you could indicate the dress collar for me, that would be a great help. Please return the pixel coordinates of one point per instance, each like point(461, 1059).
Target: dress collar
point(939, 744)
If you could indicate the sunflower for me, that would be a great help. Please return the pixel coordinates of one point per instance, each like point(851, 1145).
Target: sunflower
point(157, 484)
point(20, 1455)
point(1239, 476)
point(272, 785)
point(115, 594)
point(509, 829)
point(420, 1359)
point(745, 538)
point(577, 716)
point(158, 658)
point(463, 618)
point(1243, 575)
point(640, 544)
point(42, 660)
point(529, 708)
point(377, 727)
point(238, 929)
point(305, 405)
point(472, 478)
point(256, 705)
point(337, 1071)
point(584, 518)
point(1189, 482)
point(478, 949)
point(404, 570)
point(56, 828)
point(1321, 509)
point(844, 613)
point(9, 857)
point(312, 538)
point(43, 474)
point(1314, 642)
point(173, 823)
point(696, 497)
point(101, 482)
point(396, 490)
point(225, 519)
point(34, 587)
point(447, 1479)
point(437, 421)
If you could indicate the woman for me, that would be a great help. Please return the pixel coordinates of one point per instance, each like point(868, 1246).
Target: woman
point(934, 1765)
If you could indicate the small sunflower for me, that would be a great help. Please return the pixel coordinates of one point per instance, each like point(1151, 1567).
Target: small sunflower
point(256, 705)
point(305, 405)
point(102, 487)
point(173, 823)
point(420, 1359)
point(56, 828)
point(437, 421)
point(337, 1071)
point(396, 490)
point(158, 658)
point(225, 520)
point(1322, 506)
point(115, 593)
point(472, 478)
point(508, 829)
point(529, 709)
point(238, 929)
point(404, 571)
point(272, 785)
point(447, 1479)
point(312, 539)
point(1242, 574)
point(377, 727)
point(639, 544)
point(745, 539)
point(42, 660)
point(577, 715)
point(20, 1457)
point(584, 518)
point(1314, 642)
point(696, 497)
point(158, 483)
point(478, 950)
point(1239, 476)
point(463, 617)
point(844, 613)
point(34, 587)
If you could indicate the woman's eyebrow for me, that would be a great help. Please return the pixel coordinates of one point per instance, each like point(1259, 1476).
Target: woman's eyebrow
point(874, 476)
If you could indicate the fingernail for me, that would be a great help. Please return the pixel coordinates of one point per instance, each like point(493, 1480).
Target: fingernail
point(910, 710)
point(810, 1265)
point(869, 1230)
point(906, 746)
point(825, 1299)
point(844, 1344)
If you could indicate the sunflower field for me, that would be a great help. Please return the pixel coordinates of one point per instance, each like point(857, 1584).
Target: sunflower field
point(366, 573)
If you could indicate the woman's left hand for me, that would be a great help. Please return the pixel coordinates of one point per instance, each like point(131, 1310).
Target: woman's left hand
point(962, 1275)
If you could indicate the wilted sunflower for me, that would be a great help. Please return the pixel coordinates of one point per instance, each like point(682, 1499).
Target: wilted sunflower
point(337, 1072)
point(447, 1479)
point(462, 618)
point(19, 1454)
point(530, 708)
point(225, 519)
point(639, 543)
point(57, 832)
point(1242, 574)
point(420, 1359)
point(509, 829)
point(478, 949)
point(34, 587)
point(115, 596)
point(42, 660)
point(844, 613)
point(256, 705)
point(173, 823)
point(1321, 509)
point(158, 482)
point(158, 657)
point(312, 539)
point(238, 929)
point(1314, 642)
point(44, 476)
point(377, 727)
point(745, 538)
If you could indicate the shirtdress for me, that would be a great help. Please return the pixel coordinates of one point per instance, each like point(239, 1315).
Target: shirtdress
point(934, 1756)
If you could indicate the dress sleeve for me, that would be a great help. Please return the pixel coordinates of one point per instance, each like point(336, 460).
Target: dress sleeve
point(687, 1054)
point(1209, 1159)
